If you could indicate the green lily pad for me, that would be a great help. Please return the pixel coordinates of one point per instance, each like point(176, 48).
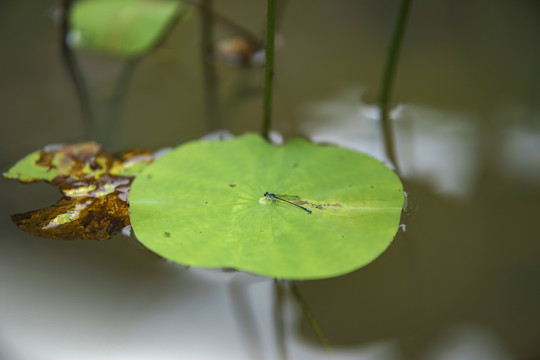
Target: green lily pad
point(28, 170)
point(203, 205)
point(126, 28)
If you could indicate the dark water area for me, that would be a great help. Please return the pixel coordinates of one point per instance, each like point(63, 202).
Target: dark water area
point(460, 281)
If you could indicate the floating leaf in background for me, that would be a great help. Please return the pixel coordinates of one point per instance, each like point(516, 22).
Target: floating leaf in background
point(94, 185)
point(241, 51)
point(126, 28)
point(203, 204)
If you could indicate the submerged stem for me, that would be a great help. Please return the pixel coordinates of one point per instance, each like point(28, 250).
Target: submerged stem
point(279, 300)
point(269, 66)
point(388, 82)
point(307, 312)
point(74, 71)
point(116, 103)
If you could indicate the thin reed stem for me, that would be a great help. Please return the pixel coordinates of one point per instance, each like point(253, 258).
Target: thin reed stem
point(269, 67)
point(207, 56)
point(388, 82)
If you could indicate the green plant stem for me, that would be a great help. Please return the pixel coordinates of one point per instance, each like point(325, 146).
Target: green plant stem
point(388, 82)
point(269, 66)
point(307, 312)
point(74, 71)
point(279, 300)
point(210, 77)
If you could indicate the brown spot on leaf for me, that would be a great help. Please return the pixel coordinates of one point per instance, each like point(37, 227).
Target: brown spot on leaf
point(45, 159)
point(232, 185)
point(324, 206)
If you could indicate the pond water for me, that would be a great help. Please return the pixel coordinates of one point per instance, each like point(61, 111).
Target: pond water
point(460, 281)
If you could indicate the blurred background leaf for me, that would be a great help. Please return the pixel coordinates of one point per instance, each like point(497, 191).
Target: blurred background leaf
point(126, 28)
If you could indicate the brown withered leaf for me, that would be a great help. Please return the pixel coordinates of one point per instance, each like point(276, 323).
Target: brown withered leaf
point(94, 184)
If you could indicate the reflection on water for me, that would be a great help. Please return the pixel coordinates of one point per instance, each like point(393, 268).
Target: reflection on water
point(468, 342)
point(461, 282)
point(435, 147)
point(519, 157)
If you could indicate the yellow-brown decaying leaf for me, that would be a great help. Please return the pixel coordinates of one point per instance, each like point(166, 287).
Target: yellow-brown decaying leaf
point(94, 185)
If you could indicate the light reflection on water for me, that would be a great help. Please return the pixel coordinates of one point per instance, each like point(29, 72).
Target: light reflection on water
point(468, 342)
point(519, 157)
point(435, 147)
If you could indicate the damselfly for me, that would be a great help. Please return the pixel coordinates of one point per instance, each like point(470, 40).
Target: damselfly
point(281, 198)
